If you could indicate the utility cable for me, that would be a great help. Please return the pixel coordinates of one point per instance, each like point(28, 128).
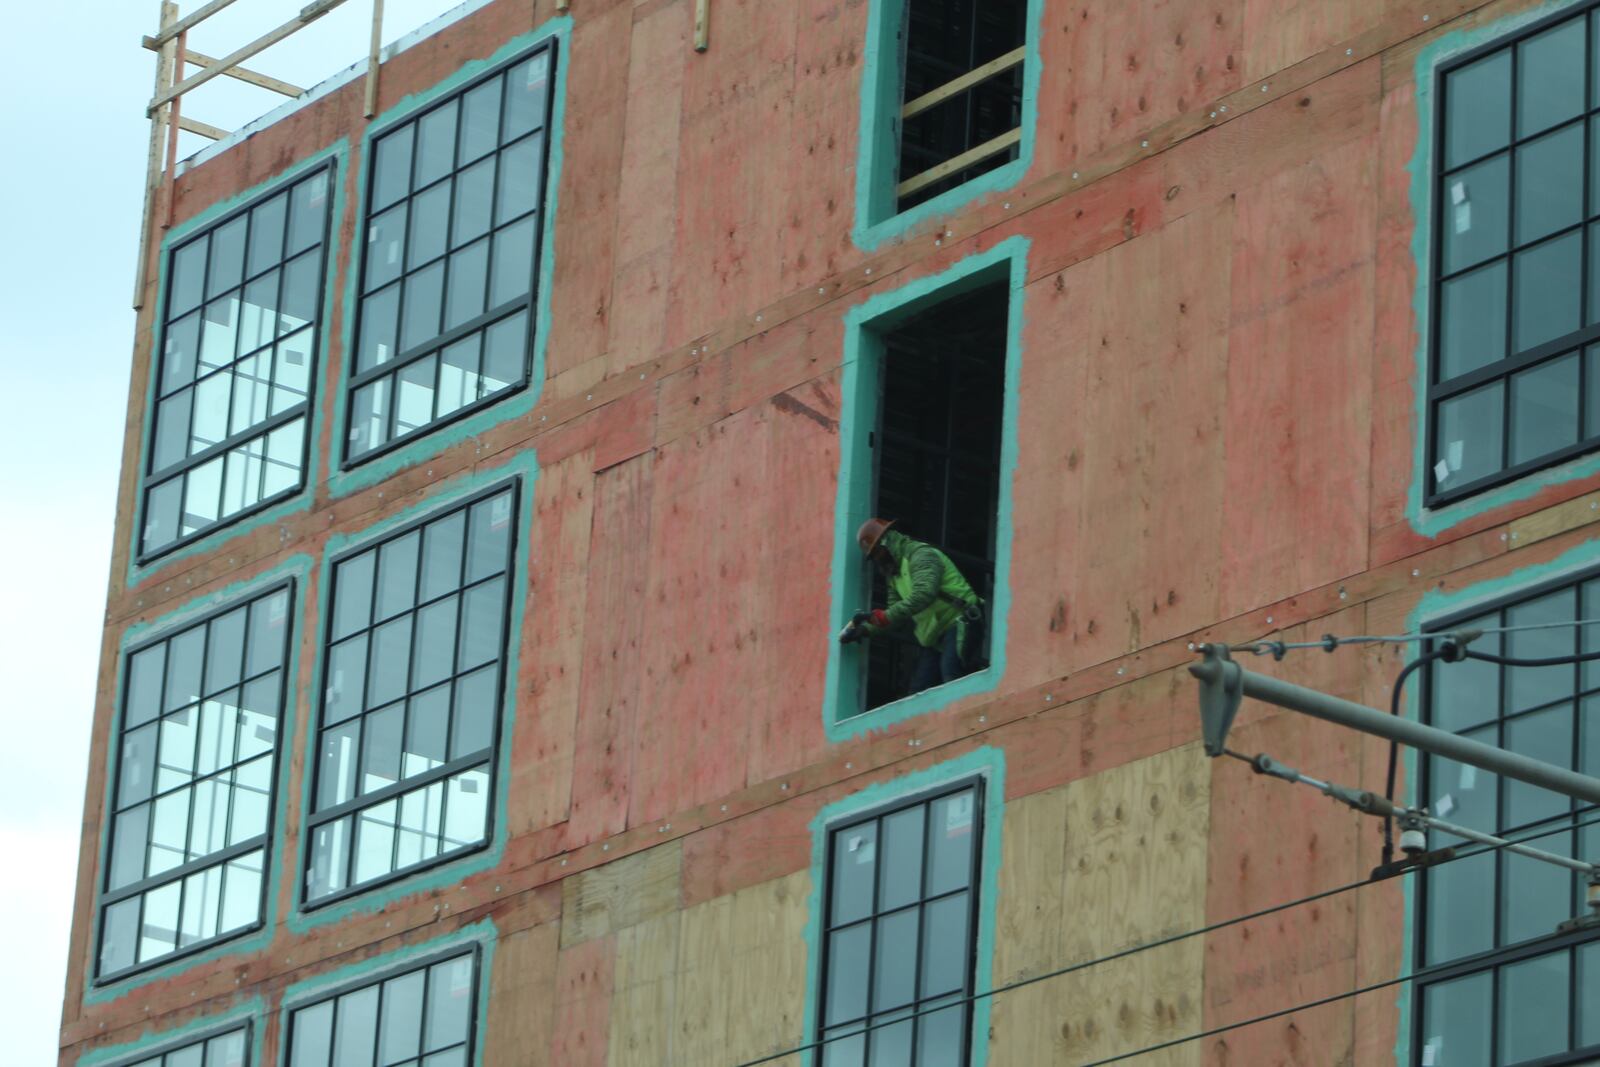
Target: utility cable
point(1394, 747)
point(1458, 854)
point(1330, 642)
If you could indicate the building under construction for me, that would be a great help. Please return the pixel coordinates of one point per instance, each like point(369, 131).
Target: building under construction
point(481, 680)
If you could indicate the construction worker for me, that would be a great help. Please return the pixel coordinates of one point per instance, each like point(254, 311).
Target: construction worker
point(928, 598)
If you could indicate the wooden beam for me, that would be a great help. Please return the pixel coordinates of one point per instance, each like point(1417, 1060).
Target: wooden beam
point(959, 163)
point(165, 65)
point(373, 56)
point(308, 14)
point(966, 81)
point(204, 129)
point(265, 81)
point(563, 5)
point(702, 25)
point(168, 32)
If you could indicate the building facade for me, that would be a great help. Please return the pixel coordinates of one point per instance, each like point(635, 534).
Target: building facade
point(471, 692)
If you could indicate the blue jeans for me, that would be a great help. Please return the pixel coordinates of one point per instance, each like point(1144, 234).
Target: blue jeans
point(935, 666)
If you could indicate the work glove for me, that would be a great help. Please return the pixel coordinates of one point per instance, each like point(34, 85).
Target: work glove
point(856, 629)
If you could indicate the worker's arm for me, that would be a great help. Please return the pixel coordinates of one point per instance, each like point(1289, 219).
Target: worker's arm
point(927, 573)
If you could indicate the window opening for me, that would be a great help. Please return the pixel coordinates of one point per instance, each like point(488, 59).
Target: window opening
point(236, 359)
point(900, 932)
point(937, 456)
point(229, 1049)
point(455, 206)
point(413, 664)
point(191, 807)
point(961, 107)
point(424, 1016)
point(1514, 378)
point(1510, 988)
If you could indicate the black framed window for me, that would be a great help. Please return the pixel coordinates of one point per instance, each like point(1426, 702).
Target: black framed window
point(937, 452)
point(1514, 383)
point(961, 107)
point(423, 1017)
point(1508, 988)
point(455, 200)
point(236, 359)
point(227, 1049)
point(413, 666)
point(900, 932)
point(193, 785)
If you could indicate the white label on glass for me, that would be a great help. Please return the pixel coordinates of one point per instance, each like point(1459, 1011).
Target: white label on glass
point(1441, 472)
point(1458, 193)
point(1463, 214)
point(1445, 805)
point(865, 854)
point(394, 251)
point(319, 188)
point(1469, 776)
point(1430, 1052)
point(958, 816)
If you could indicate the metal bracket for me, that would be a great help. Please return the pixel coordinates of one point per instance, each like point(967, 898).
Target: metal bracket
point(1221, 691)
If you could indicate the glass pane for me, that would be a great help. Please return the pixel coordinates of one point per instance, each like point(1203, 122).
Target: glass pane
point(1589, 994)
point(252, 794)
point(468, 283)
point(347, 674)
point(118, 936)
point(129, 838)
point(423, 297)
point(336, 776)
point(180, 352)
point(449, 1000)
point(420, 828)
point(950, 842)
point(941, 1042)
point(430, 219)
point(894, 981)
point(427, 732)
point(466, 809)
point(291, 372)
point(397, 575)
point(525, 92)
point(946, 946)
point(474, 202)
point(436, 636)
point(189, 1056)
point(136, 771)
point(483, 611)
point(219, 332)
point(158, 930)
point(208, 828)
point(379, 328)
point(225, 653)
point(355, 1034)
point(505, 354)
point(391, 172)
point(252, 386)
point(188, 278)
point(258, 725)
point(1544, 409)
point(1550, 73)
point(227, 256)
point(391, 661)
point(384, 236)
point(285, 458)
point(512, 274)
point(226, 1051)
point(177, 749)
point(184, 655)
point(299, 301)
point(472, 724)
point(1468, 437)
point(1591, 405)
point(1535, 895)
point(847, 973)
point(1473, 316)
point(258, 315)
point(266, 233)
point(441, 555)
point(308, 210)
point(241, 902)
point(219, 719)
point(488, 537)
point(352, 594)
point(846, 1047)
point(436, 144)
point(267, 617)
point(402, 1018)
point(519, 179)
point(1549, 183)
point(1547, 736)
point(380, 748)
point(458, 374)
point(480, 119)
point(1529, 687)
point(1475, 214)
point(311, 1041)
point(202, 897)
point(369, 417)
point(144, 684)
point(210, 423)
point(414, 395)
point(375, 841)
point(1456, 1016)
point(1546, 300)
point(902, 856)
point(329, 858)
point(1467, 693)
point(1533, 1007)
point(162, 507)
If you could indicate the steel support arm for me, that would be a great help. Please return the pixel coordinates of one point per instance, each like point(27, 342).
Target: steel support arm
point(1223, 682)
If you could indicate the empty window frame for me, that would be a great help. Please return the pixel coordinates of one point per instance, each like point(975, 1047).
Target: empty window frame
point(413, 667)
point(227, 1049)
point(423, 1017)
point(899, 932)
point(192, 797)
point(1500, 979)
point(455, 201)
point(1515, 378)
point(937, 452)
point(236, 360)
point(961, 103)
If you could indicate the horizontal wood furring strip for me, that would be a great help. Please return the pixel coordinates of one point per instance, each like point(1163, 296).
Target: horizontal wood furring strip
point(956, 86)
point(954, 164)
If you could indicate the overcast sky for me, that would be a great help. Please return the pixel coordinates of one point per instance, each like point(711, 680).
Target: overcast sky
point(75, 134)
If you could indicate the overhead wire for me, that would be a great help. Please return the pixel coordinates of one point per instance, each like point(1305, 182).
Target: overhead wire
point(1330, 642)
point(971, 998)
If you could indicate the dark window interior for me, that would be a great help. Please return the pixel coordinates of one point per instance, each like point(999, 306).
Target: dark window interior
point(938, 451)
point(944, 40)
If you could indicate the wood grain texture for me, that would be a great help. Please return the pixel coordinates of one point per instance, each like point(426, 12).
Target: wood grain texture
point(620, 895)
point(583, 1003)
point(522, 998)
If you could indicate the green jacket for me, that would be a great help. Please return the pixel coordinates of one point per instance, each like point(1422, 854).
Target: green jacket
point(927, 594)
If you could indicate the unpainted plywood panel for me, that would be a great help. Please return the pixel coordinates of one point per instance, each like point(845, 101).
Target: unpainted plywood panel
point(767, 980)
point(620, 894)
point(644, 990)
point(583, 1003)
point(522, 988)
point(1297, 380)
point(608, 701)
point(1280, 33)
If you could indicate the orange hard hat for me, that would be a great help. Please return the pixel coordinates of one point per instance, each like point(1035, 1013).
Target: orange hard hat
point(871, 533)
